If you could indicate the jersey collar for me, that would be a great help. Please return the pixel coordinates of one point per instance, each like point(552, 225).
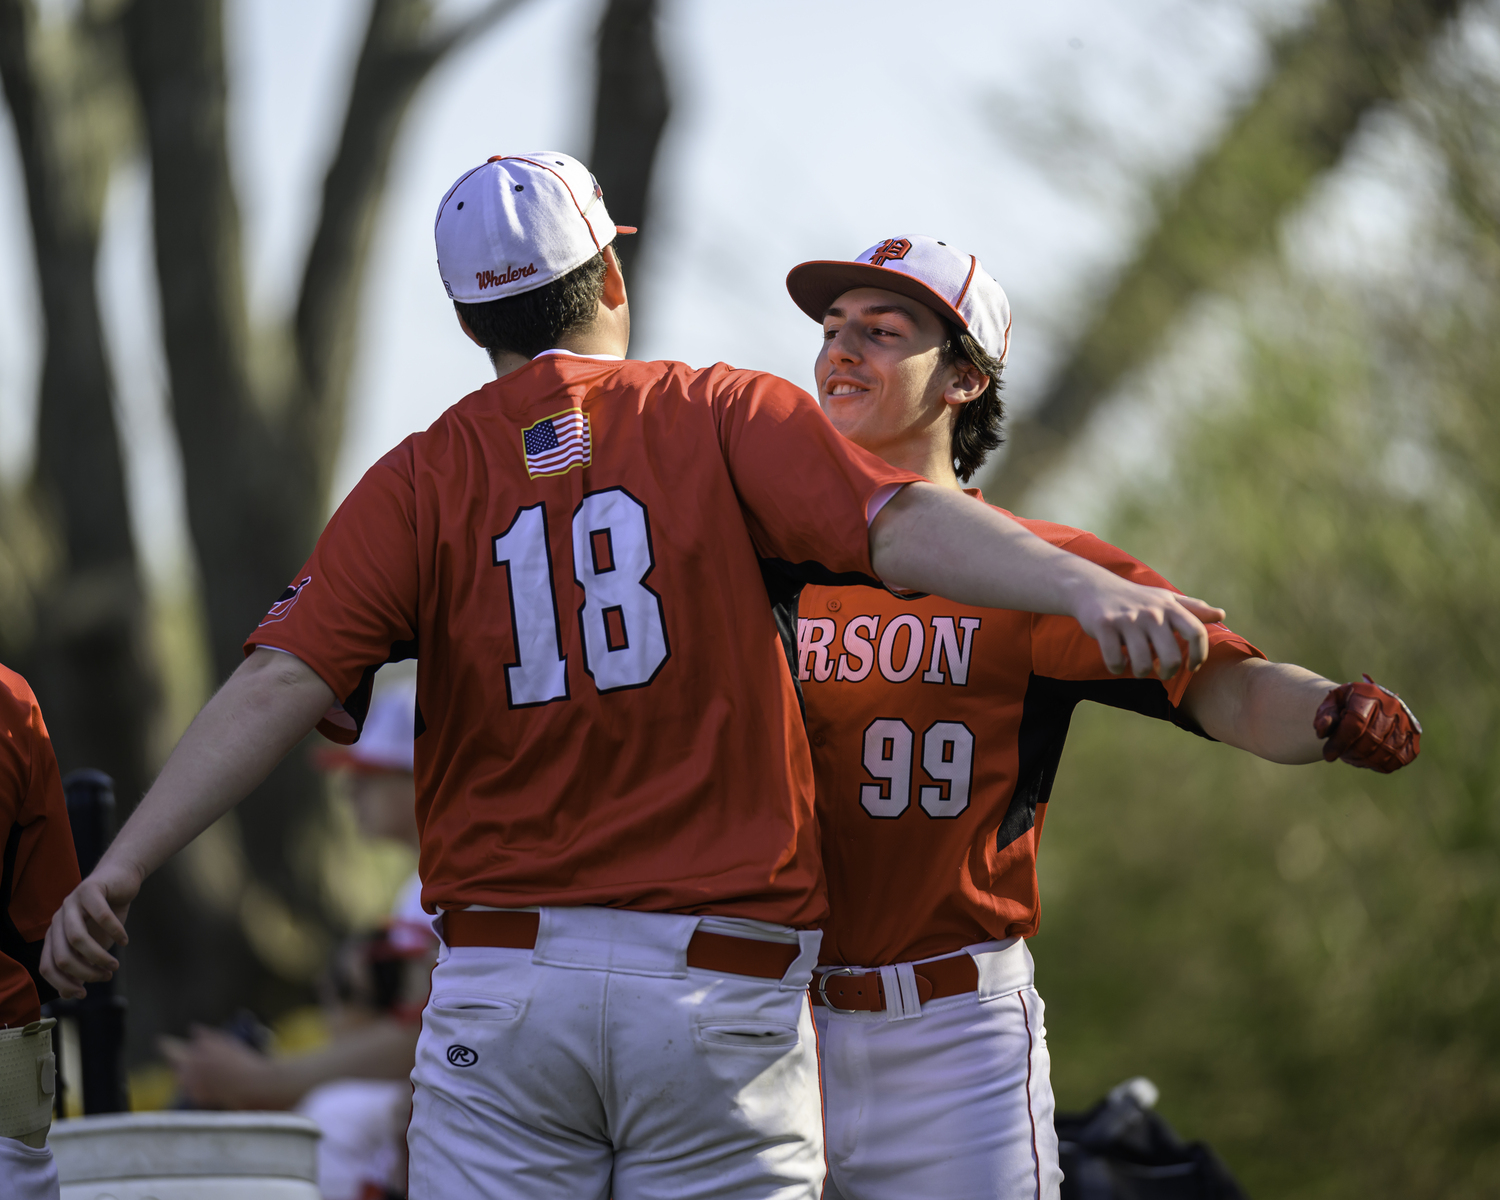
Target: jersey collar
point(571, 354)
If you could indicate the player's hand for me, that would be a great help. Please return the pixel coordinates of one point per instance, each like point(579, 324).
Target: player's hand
point(1137, 625)
point(1368, 726)
point(90, 921)
point(216, 1070)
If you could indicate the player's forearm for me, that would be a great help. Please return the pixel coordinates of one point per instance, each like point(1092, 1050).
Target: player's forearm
point(269, 704)
point(1264, 707)
point(933, 539)
point(385, 1048)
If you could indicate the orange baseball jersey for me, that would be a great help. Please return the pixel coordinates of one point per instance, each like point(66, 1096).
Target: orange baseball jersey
point(595, 563)
point(40, 867)
point(936, 732)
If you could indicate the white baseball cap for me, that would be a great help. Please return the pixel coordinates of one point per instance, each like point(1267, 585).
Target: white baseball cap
point(385, 742)
point(517, 222)
point(923, 268)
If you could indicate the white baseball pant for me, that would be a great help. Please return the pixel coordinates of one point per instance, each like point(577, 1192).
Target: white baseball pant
point(27, 1173)
point(953, 1102)
point(363, 1123)
point(599, 1064)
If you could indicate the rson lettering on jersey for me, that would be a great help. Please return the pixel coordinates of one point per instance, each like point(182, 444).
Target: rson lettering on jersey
point(897, 651)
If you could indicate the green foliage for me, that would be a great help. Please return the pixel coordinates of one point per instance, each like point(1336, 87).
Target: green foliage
point(1307, 959)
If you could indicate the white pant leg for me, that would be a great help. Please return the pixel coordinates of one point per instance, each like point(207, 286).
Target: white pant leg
point(722, 1102)
point(955, 1104)
point(545, 1081)
point(506, 1100)
point(363, 1122)
point(27, 1173)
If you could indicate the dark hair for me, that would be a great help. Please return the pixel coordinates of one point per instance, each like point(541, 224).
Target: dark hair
point(537, 320)
point(976, 429)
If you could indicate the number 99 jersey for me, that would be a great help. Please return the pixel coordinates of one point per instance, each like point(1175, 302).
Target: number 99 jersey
point(936, 731)
point(585, 558)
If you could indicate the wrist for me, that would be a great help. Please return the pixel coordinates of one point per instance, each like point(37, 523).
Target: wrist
point(120, 873)
point(1078, 593)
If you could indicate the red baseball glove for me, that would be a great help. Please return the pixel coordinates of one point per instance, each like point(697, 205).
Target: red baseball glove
point(1368, 726)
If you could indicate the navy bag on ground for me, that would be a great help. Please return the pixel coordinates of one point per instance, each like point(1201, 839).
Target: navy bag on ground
point(1121, 1150)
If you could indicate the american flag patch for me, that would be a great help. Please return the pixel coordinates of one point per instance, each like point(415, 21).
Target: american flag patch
point(557, 444)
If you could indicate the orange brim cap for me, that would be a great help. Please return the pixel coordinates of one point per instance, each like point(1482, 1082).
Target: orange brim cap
point(949, 282)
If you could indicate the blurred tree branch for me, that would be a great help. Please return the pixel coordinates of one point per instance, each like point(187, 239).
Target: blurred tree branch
point(1350, 57)
point(399, 51)
point(631, 105)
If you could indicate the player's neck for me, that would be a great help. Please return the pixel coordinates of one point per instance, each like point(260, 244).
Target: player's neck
point(601, 337)
point(928, 458)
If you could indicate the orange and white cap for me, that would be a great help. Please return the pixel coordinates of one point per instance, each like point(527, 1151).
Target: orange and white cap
point(517, 222)
point(385, 742)
point(951, 283)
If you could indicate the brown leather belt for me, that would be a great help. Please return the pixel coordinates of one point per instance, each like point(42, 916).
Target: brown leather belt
point(847, 990)
point(706, 951)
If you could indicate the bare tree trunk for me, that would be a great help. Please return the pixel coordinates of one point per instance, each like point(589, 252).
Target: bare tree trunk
point(251, 491)
point(631, 106)
point(88, 661)
point(1348, 59)
point(257, 468)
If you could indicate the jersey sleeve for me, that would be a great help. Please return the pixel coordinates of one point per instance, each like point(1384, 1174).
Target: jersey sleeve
point(806, 491)
point(353, 605)
point(40, 865)
point(1061, 650)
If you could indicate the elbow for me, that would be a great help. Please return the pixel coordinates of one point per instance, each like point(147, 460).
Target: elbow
point(271, 679)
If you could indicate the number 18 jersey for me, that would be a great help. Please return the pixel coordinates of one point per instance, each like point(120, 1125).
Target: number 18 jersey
point(585, 558)
point(936, 732)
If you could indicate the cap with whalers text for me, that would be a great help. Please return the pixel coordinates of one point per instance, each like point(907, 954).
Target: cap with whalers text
point(946, 280)
point(517, 222)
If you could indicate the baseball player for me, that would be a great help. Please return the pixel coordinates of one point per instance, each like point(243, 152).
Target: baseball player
point(40, 869)
point(936, 730)
point(595, 562)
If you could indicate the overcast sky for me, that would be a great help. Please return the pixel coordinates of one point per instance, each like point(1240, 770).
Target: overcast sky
point(1023, 133)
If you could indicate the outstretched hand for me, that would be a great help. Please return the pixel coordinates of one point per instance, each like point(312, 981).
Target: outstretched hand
point(1138, 627)
point(90, 922)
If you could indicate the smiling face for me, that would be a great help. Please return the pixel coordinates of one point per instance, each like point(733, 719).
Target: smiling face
point(886, 383)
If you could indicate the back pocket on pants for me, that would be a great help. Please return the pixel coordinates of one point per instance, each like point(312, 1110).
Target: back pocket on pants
point(746, 1035)
point(454, 1006)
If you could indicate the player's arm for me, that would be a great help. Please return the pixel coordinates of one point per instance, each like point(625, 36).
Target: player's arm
point(216, 1070)
point(936, 540)
point(1267, 708)
point(264, 709)
point(1289, 714)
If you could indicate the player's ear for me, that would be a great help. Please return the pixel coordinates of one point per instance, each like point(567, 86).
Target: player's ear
point(614, 280)
point(965, 382)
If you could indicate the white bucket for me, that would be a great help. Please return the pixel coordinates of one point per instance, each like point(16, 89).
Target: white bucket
point(187, 1156)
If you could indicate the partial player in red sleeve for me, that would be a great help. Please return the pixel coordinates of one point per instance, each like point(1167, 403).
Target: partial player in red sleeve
point(595, 562)
point(39, 869)
point(936, 731)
